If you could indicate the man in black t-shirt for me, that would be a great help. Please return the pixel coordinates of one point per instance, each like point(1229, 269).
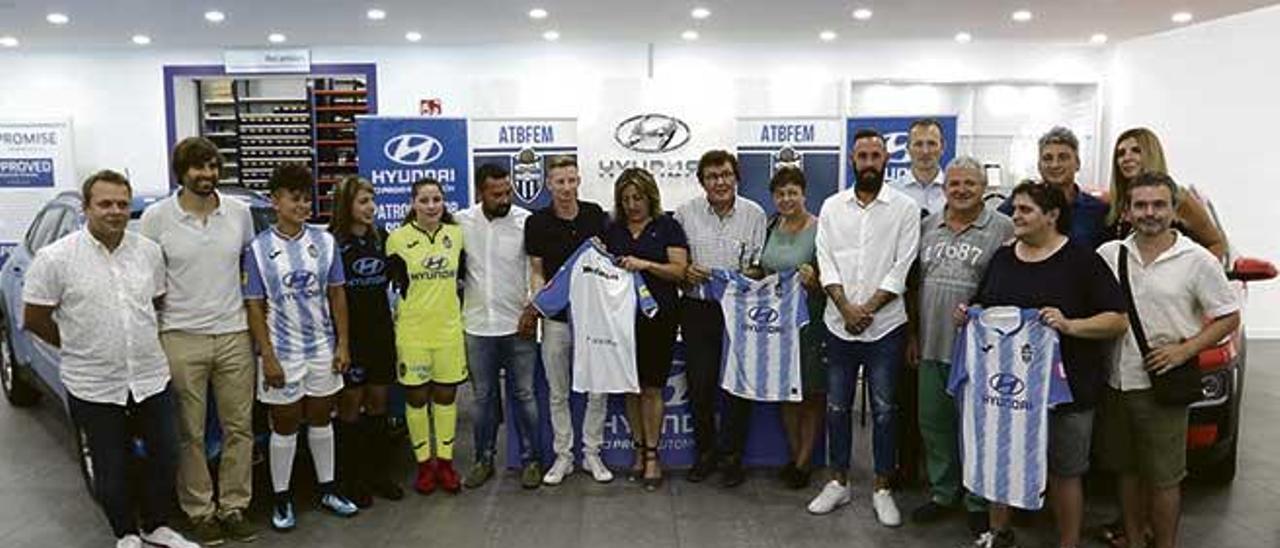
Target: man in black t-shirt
point(551, 235)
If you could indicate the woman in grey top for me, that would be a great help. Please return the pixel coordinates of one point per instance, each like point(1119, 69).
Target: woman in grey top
point(789, 244)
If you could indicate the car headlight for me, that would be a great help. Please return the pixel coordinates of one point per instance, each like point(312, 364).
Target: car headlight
point(1215, 385)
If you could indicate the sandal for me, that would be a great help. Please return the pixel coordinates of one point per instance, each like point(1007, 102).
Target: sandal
point(1113, 535)
point(651, 483)
point(636, 473)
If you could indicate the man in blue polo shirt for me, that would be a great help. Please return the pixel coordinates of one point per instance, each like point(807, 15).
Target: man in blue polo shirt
point(1058, 163)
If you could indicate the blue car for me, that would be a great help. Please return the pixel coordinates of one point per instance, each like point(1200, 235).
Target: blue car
point(28, 365)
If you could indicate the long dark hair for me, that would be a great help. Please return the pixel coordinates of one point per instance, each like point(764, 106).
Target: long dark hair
point(344, 197)
point(446, 217)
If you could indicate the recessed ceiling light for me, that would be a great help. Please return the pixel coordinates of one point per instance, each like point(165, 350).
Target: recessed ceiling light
point(700, 13)
point(1021, 16)
point(215, 16)
point(376, 14)
point(413, 36)
point(689, 35)
point(964, 37)
point(57, 18)
point(276, 38)
point(8, 42)
point(538, 13)
point(1182, 17)
point(862, 14)
point(827, 35)
point(1098, 38)
point(551, 36)
point(141, 39)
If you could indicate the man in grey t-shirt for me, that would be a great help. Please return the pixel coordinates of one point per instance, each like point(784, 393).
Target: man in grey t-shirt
point(955, 246)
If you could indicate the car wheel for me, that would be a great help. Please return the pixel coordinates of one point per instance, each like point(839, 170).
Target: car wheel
point(85, 459)
point(17, 389)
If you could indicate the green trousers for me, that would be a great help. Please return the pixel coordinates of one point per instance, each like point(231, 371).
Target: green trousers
point(940, 429)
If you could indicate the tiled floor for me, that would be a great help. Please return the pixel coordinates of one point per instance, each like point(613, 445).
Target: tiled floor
point(43, 502)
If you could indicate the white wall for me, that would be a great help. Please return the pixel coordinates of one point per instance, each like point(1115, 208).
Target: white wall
point(1209, 92)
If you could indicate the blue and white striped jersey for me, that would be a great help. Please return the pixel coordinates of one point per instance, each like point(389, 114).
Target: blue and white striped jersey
point(602, 299)
point(1006, 373)
point(762, 321)
point(293, 275)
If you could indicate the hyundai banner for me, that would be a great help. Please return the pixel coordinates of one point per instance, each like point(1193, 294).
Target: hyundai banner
point(810, 144)
point(524, 147)
point(895, 130)
point(394, 153)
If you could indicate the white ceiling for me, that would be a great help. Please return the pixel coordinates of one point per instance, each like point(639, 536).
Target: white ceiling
point(180, 23)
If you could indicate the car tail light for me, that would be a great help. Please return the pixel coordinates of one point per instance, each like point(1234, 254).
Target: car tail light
point(1200, 436)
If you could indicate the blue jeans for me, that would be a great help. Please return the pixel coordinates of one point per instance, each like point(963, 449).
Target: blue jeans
point(883, 359)
point(486, 357)
point(111, 430)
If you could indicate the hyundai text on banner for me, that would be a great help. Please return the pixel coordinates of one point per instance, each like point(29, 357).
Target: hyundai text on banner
point(524, 147)
point(394, 153)
point(895, 130)
point(810, 144)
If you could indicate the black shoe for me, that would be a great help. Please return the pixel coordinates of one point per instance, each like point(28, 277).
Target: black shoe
point(801, 478)
point(978, 522)
point(702, 470)
point(929, 512)
point(732, 475)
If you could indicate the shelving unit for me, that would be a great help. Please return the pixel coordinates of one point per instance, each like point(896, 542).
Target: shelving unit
point(260, 123)
point(336, 102)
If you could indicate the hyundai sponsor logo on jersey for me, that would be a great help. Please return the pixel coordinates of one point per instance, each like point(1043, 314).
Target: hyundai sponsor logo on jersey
point(394, 153)
point(896, 132)
point(524, 147)
point(811, 145)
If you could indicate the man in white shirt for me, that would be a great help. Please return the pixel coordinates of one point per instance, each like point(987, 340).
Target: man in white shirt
point(495, 293)
point(867, 239)
point(1175, 284)
point(206, 337)
point(94, 294)
point(926, 181)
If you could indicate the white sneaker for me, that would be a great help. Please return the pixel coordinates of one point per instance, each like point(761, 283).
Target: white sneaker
point(833, 496)
point(129, 541)
point(597, 468)
point(886, 509)
point(561, 468)
point(168, 538)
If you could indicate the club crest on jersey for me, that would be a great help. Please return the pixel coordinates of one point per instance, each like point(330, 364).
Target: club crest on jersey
point(528, 176)
point(313, 251)
point(448, 243)
point(1026, 353)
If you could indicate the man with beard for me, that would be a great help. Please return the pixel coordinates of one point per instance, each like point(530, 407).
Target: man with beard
point(1174, 284)
point(867, 239)
point(498, 335)
point(205, 334)
point(1059, 161)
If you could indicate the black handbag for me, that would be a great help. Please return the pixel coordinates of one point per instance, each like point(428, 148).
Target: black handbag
point(1179, 386)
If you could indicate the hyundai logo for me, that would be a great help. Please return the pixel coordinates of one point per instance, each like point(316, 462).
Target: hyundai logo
point(299, 279)
point(652, 133)
point(413, 149)
point(763, 314)
point(368, 266)
point(896, 145)
point(434, 263)
point(1006, 384)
